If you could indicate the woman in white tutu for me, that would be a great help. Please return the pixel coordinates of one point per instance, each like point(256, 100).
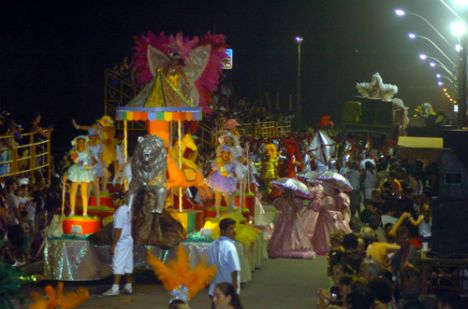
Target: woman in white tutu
point(81, 172)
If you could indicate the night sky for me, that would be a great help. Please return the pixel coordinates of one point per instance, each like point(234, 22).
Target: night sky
point(53, 57)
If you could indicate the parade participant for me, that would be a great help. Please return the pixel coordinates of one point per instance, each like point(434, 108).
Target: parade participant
point(106, 132)
point(81, 172)
point(289, 237)
point(122, 246)
point(269, 166)
point(222, 253)
point(222, 179)
point(334, 214)
point(99, 169)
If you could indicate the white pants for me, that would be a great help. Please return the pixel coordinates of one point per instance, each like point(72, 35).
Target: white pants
point(122, 261)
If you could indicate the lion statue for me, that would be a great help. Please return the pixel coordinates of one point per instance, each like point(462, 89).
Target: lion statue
point(151, 223)
point(149, 171)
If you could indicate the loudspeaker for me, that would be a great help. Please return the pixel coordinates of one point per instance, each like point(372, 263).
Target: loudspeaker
point(450, 227)
point(457, 141)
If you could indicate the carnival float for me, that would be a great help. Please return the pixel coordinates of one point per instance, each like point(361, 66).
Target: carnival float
point(177, 75)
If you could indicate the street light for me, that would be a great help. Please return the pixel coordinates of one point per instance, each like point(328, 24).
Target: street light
point(403, 13)
point(436, 62)
point(440, 77)
point(299, 40)
point(413, 37)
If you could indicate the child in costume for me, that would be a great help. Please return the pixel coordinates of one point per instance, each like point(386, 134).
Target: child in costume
point(100, 170)
point(81, 172)
point(222, 179)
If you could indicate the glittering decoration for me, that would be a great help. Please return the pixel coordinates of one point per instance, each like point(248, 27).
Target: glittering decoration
point(293, 185)
point(336, 180)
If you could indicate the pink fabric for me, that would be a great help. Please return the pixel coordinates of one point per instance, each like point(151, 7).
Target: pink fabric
point(289, 237)
point(332, 215)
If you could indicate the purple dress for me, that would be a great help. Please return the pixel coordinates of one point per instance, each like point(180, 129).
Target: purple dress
point(223, 179)
point(289, 237)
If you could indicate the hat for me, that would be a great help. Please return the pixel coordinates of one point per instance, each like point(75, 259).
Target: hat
point(118, 195)
point(106, 121)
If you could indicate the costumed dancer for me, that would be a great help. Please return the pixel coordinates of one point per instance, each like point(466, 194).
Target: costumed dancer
point(106, 132)
point(289, 237)
point(333, 208)
point(181, 279)
point(222, 179)
point(101, 174)
point(269, 166)
point(231, 139)
point(119, 175)
point(293, 162)
point(81, 172)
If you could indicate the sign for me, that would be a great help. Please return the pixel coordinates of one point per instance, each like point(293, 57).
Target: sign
point(227, 62)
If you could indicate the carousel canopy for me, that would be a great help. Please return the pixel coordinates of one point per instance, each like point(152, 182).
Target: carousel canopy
point(159, 113)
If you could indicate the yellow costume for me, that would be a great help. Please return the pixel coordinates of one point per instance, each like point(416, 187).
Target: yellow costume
point(108, 140)
point(269, 166)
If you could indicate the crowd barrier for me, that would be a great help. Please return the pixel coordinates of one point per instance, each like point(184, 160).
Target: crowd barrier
point(30, 155)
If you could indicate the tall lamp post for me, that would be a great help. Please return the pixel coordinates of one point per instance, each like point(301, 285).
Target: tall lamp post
point(459, 29)
point(299, 40)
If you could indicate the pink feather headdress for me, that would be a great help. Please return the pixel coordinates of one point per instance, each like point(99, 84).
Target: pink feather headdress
point(181, 45)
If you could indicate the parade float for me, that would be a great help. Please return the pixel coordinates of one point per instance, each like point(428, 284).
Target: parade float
point(375, 111)
point(178, 75)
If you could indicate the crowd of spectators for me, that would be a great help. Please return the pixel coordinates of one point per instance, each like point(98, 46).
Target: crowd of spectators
point(26, 209)
point(377, 266)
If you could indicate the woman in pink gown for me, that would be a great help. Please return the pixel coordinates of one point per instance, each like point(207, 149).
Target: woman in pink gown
point(333, 214)
point(289, 237)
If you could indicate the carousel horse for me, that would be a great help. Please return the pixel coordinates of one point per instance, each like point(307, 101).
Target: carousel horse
point(190, 174)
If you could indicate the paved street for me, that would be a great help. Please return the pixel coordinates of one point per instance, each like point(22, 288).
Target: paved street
point(280, 283)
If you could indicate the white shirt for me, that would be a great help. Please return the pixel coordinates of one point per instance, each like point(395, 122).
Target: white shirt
point(123, 220)
point(223, 254)
point(425, 229)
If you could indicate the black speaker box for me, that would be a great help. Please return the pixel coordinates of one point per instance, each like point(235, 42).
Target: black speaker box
point(450, 227)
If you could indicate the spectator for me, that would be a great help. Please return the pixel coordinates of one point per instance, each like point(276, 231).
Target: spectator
point(353, 175)
point(370, 180)
point(14, 219)
point(225, 297)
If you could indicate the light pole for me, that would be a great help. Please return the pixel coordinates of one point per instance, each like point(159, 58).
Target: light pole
point(299, 40)
point(424, 57)
point(402, 13)
point(414, 36)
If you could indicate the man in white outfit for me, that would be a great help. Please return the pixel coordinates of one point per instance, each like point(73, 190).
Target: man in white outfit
point(223, 254)
point(122, 246)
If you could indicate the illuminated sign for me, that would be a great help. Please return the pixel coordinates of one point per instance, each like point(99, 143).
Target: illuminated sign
point(227, 62)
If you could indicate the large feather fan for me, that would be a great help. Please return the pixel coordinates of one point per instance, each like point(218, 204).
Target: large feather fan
point(206, 83)
point(178, 272)
point(55, 298)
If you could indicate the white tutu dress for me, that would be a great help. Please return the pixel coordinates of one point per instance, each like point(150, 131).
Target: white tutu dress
point(82, 169)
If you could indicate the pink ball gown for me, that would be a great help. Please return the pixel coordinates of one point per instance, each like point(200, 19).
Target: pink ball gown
point(333, 214)
point(289, 237)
